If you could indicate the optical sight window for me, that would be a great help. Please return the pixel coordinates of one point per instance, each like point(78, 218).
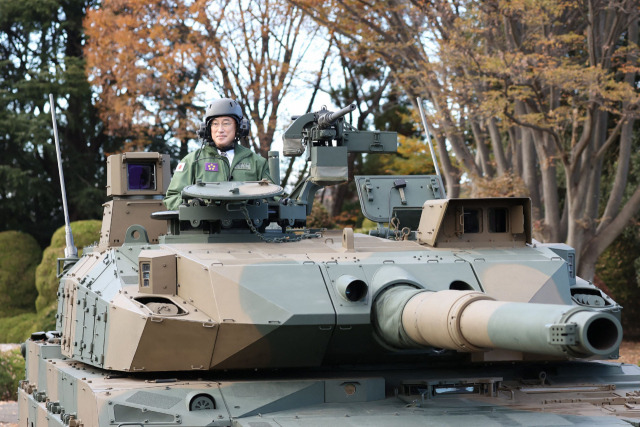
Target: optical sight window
point(141, 176)
point(498, 220)
point(471, 220)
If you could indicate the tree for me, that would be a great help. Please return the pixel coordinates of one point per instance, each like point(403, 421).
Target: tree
point(539, 91)
point(264, 48)
point(154, 64)
point(145, 60)
point(41, 53)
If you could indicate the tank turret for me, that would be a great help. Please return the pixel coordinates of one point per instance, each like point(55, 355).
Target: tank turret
point(231, 311)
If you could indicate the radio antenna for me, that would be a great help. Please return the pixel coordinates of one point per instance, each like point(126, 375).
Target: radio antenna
point(70, 251)
point(433, 153)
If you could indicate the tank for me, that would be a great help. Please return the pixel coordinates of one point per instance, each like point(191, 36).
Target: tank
point(230, 311)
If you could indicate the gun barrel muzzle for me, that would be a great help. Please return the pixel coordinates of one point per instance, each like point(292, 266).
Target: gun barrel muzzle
point(328, 118)
point(474, 321)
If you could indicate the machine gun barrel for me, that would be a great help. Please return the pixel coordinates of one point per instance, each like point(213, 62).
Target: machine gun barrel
point(325, 120)
point(470, 321)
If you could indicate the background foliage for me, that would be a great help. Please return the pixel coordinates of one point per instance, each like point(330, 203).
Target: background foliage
point(11, 372)
point(619, 274)
point(41, 54)
point(149, 61)
point(15, 328)
point(19, 256)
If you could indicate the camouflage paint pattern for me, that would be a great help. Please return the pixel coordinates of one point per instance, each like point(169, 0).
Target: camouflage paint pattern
point(63, 392)
point(341, 329)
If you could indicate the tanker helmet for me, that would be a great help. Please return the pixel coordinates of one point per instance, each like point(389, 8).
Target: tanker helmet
point(224, 107)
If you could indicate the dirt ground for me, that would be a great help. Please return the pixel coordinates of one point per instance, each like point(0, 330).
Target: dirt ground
point(630, 352)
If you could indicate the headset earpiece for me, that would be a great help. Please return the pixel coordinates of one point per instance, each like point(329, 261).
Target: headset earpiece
point(243, 128)
point(202, 131)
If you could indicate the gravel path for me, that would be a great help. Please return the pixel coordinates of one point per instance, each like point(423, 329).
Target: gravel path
point(8, 414)
point(630, 352)
point(8, 410)
point(7, 347)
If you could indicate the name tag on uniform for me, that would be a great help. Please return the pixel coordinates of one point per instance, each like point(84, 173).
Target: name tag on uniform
point(211, 167)
point(243, 166)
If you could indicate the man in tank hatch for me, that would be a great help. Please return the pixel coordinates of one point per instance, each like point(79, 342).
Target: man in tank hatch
point(220, 158)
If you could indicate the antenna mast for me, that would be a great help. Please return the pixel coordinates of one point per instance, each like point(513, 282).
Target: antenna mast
point(433, 154)
point(70, 251)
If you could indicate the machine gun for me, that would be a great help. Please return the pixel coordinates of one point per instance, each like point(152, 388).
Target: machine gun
point(327, 140)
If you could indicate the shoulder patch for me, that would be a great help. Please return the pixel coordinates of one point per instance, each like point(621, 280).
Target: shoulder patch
point(243, 166)
point(180, 167)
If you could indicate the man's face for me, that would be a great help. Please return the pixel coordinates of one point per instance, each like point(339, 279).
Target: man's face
point(223, 131)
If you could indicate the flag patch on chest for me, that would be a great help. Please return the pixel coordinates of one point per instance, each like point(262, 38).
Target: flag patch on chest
point(211, 167)
point(243, 166)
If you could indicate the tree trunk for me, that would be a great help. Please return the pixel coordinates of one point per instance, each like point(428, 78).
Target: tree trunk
point(496, 145)
point(597, 245)
point(546, 157)
point(450, 173)
point(530, 172)
point(626, 139)
point(483, 150)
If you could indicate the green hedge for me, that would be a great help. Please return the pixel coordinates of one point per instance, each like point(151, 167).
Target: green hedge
point(23, 320)
point(11, 372)
point(19, 257)
point(17, 329)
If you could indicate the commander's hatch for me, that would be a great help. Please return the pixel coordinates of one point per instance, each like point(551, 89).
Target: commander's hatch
point(456, 223)
point(401, 196)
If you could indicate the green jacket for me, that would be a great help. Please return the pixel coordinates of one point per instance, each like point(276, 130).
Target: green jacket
point(212, 167)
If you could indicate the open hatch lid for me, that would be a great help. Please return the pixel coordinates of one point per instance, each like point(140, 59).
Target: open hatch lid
point(383, 197)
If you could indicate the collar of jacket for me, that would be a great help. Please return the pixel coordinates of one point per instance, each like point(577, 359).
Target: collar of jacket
point(240, 152)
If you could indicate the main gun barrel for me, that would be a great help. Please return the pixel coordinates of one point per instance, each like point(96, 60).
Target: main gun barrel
point(473, 321)
point(325, 120)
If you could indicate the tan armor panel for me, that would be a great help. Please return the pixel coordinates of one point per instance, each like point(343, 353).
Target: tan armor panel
point(120, 214)
point(157, 272)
